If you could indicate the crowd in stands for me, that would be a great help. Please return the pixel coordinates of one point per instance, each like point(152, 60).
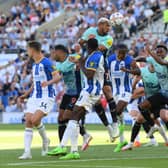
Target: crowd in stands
point(27, 15)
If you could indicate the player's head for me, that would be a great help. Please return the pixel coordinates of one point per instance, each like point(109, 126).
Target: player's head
point(92, 45)
point(103, 26)
point(59, 52)
point(121, 51)
point(33, 48)
point(161, 50)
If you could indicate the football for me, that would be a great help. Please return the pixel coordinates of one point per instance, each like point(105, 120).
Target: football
point(116, 19)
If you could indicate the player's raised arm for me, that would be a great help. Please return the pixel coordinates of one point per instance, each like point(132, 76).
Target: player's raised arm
point(134, 69)
point(160, 49)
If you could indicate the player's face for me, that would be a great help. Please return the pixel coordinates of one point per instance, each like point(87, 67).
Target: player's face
point(121, 54)
point(161, 52)
point(58, 55)
point(105, 27)
point(30, 52)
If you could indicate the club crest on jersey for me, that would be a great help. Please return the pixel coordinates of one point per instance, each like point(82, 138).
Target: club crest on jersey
point(41, 69)
point(92, 64)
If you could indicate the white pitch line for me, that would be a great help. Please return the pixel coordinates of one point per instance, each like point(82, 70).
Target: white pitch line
point(85, 160)
point(85, 166)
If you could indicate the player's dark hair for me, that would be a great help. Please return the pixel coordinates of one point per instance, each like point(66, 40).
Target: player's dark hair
point(162, 46)
point(122, 47)
point(35, 45)
point(61, 47)
point(92, 44)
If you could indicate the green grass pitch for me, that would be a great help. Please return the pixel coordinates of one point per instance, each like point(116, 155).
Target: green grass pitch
point(99, 155)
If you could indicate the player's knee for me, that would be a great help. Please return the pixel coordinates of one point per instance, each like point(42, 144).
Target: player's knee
point(78, 113)
point(140, 119)
point(164, 115)
point(107, 92)
point(35, 122)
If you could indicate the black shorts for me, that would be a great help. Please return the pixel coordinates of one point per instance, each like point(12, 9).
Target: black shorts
point(68, 102)
point(107, 81)
point(157, 101)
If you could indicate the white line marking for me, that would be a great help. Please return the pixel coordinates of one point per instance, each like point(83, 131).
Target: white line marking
point(86, 160)
point(85, 166)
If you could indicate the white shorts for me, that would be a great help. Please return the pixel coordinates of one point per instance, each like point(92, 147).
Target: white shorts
point(126, 97)
point(45, 105)
point(87, 100)
point(133, 106)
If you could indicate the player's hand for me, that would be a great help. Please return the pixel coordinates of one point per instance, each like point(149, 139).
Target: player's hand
point(73, 59)
point(123, 69)
point(44, 84)
point(91, 36)
point(21, 99)
point(147, 49)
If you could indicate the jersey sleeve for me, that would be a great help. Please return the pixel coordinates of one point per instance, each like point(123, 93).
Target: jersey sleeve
point(49, 66)
point(150, 60)
point(92, 62)
point(108, 43)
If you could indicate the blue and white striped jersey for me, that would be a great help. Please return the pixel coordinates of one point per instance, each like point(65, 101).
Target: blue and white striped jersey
point(95, 62)
point(121, 81)
point(42, 72)
point(140, 99)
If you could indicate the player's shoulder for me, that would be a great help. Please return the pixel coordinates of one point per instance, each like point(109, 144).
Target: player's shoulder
point(129, 59)
point(96, 55)
point(46, 61)
point(112, 57)
point(91, 29)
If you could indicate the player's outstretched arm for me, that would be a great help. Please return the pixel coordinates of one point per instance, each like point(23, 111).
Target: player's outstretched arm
point(134, 69)
point(56, 78)
point(157, 59)
point(140, 59)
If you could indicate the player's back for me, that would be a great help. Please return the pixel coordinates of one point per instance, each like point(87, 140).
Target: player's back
point(68, 70)
point(121, 81)
point(42, 71)
point(95, 62)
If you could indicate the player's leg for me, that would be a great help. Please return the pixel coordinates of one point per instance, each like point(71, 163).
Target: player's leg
point(36, 122)
point(152, 103)
point(121, 105)
point(71, 133)
point(152, 141)
point(84, 103)
point(101, 113)
point(135, 131)
point(86, 136)
point(133, 112)
point(164, 116)
point(107, 90)
point(62, 122)
point(28, 136)
point(158, 125)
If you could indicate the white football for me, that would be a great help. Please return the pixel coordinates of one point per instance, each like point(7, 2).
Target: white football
point(116, 19)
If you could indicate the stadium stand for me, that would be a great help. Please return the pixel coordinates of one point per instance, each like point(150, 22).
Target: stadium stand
point(54, 24)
